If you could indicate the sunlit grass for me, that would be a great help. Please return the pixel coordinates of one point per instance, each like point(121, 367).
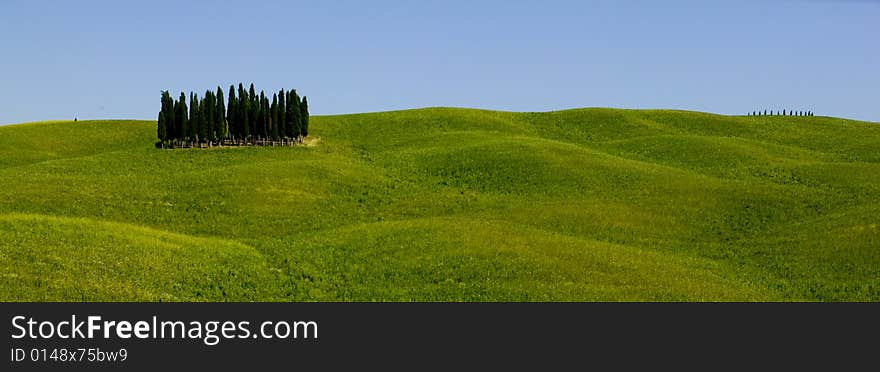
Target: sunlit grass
point(449, 205)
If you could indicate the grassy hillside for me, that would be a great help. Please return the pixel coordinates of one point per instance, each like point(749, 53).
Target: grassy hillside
point(449, 204)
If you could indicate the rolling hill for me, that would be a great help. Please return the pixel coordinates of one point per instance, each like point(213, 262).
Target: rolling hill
point(447, 204)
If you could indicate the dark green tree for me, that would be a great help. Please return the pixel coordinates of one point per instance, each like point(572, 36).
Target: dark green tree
point(182, 119)
point(220, 121)
point(282, 114)
point(274, 120)
point(253, 113)
point(193, 129)
point(204, 119)
point(171, 119)
point(161, 132)
point(208, 121)
point(231, 118)
point(261, 124)
point(242, 112)
point(304, 117)
point(292, 116)
point(162, 124)
point(246, 117)
point(264, 110)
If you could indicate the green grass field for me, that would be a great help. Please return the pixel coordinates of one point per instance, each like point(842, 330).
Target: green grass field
point(449, 205)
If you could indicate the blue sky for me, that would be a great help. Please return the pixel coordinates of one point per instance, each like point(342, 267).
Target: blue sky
point(111, 59)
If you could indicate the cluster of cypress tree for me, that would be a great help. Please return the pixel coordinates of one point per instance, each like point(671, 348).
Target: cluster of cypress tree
point(783, 113)
point(250, 119)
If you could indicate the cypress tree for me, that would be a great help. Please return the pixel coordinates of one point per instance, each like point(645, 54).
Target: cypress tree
point(209, 116)
point(193, 129)
point(171, 119)
point(241, 112)
point(255, 113)
point(209, 107)
point(199, 136)
point(246, 117)
point(204, 117)
point(258, 118)
point(282, 114)
point(274, 111)
point(252, 111)
point(182, 118)
point(262, 123)
point(220, 124)
point(264, 117)
point(197, 121)
point(173, 129)
point(298, 118)
point(161, 130)
point(162, 123)
point(231, 113)
point(212, 125)
point(292, 116)
point(264, 108)
point(304, 108)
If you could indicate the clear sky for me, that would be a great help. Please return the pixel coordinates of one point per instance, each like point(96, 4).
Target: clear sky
point(111, 59)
